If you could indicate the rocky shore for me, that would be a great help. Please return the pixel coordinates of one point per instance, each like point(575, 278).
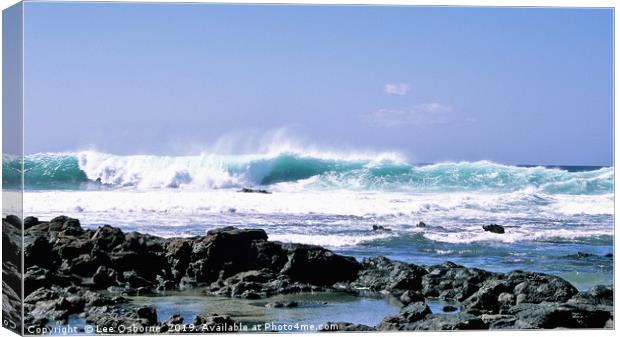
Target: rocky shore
point(93, 274)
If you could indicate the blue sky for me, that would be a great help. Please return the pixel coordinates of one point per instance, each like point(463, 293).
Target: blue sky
point(518, 86)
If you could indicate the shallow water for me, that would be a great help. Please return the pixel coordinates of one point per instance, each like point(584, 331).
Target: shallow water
point(314, 309)
point(552, 257)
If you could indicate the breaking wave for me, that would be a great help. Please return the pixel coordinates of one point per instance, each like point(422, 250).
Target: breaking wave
point(383, 172)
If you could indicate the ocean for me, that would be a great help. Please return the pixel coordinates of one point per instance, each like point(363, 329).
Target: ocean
point(557, 219)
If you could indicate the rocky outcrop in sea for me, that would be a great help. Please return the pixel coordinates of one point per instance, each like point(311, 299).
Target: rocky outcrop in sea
point(93, 273)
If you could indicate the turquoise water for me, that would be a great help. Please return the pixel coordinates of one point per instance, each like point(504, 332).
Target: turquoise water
point(92, 170)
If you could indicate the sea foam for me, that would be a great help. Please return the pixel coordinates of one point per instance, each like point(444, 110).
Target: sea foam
point(288, 171)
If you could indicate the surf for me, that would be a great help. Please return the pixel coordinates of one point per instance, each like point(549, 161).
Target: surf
point(290, 170)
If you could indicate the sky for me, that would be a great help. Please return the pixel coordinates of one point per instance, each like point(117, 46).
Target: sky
point(511, 85)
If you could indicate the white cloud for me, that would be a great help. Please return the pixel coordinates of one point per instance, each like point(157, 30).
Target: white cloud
point(396, 88)
point(420, 114)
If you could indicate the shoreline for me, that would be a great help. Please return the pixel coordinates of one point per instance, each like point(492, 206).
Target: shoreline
point(95, 274)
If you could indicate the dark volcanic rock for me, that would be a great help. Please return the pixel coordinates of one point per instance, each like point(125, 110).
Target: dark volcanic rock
point(409, 314)
point(67, 267)
point(228, 250)
point(171, 324)
point(597, 295)
point(454, 282)
point(383, 274)
point(411, 296)
point(13, 220)
point(317, 265)
point(345, 326)
point(461, 321)
point(537, 287)
point(30, 221)
point(142, 319)
point(147, 313)
point(557, 315)
point(379, 228)
point(104, 277)
point(487, 297)
point(214, 323)
point(177, 252)
point(493, 228)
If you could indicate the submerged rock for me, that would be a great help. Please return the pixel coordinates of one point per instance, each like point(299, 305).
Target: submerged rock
point(449, 308)
point(289, 304)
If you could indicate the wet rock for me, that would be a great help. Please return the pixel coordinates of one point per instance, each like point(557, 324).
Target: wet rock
point(13, 220)
point(107, 237)
point(461, 321)
point(41, 294)
point(421, 224)
point(85, 265)
point(104, 277)
point(383, 274)
point(30, 221)
point(506, 300)
point(12, 306)
point(379, 228)
point(171, 324)
point(134, 280)
point(38, 251)
point(453, 282)
point(597, 295)
point(318, 266)
point(548, 315)
point(226, 249)
point(143, 318)
point(345, 326)
point(487, 297)
point(148, 313)
point(411, 313)
point(498, 321)
point(177, 252)
point(411, 296)
point(537, 287)
point(415, 311)
point(37, 277)
point(214, 323)
point(493, 228)
point(48, 310)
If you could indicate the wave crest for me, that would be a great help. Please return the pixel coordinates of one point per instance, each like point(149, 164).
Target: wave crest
point(290, 170)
